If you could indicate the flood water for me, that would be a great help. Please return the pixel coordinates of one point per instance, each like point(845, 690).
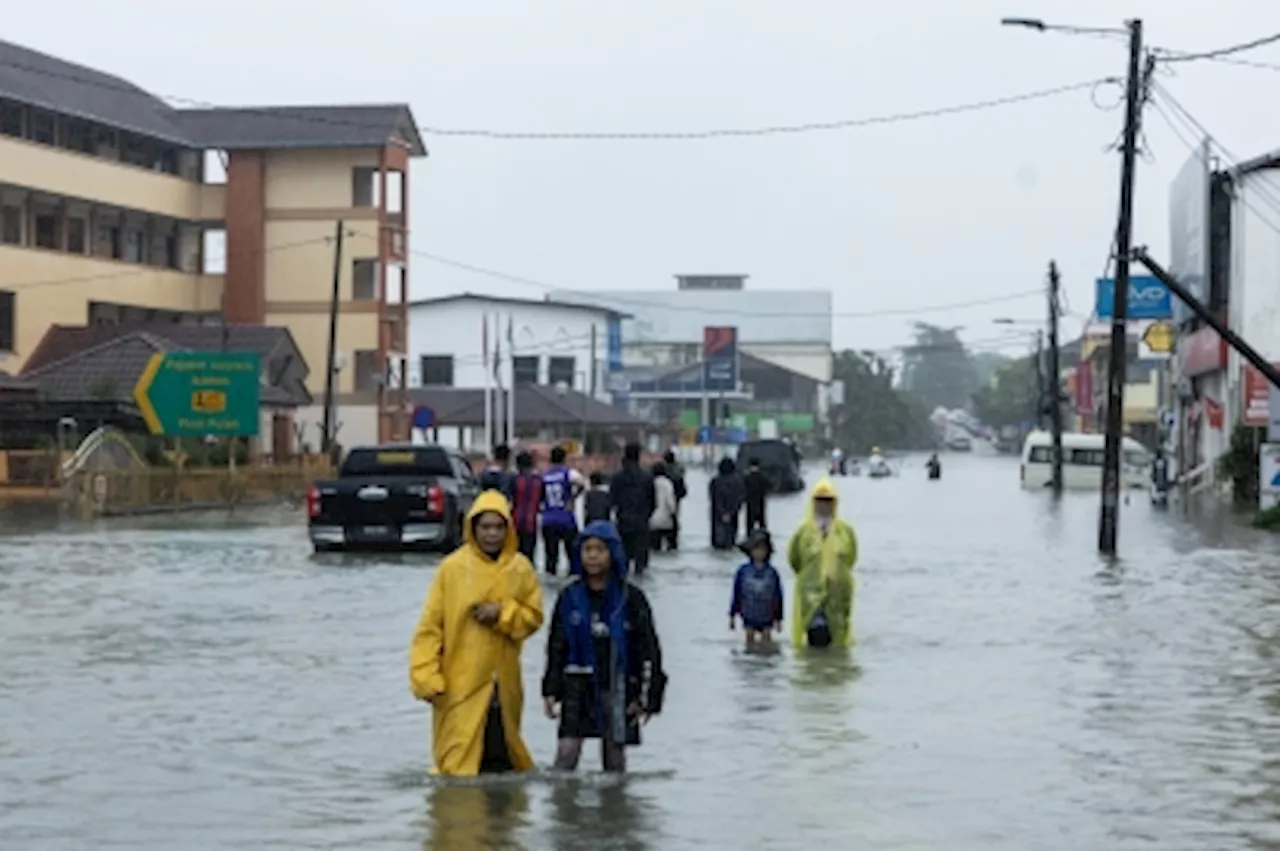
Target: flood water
point(208, 684)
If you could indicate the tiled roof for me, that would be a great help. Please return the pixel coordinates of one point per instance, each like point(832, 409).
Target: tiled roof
point(12, 382)
point(535, 406)
point(38, 79)
point(108, 368)
point(363, 126)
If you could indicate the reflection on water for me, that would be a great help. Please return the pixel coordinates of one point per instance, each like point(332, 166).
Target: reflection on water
point(204, 682)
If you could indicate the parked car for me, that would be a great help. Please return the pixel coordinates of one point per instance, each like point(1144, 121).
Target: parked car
point(400, 497)
point(779, 461)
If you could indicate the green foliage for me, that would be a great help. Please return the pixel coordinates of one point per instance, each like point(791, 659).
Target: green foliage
point(938, 369)
point(874, 412)
point(1268, 520)
point(1010, 397)
point(1240, 464)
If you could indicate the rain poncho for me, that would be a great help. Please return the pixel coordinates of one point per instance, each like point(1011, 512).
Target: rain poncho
point(455, 661)
point(824, 572)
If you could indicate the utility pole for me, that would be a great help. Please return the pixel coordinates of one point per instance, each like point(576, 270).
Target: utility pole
point(595, 368)
point(331, 357)
point(1055, 380)
point(1040, 379)
point(1109, 515)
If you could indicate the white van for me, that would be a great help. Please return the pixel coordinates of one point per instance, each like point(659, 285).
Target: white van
point(1081, 461)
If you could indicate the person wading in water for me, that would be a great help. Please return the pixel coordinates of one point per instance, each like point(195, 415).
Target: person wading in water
point(484, 602)
point(822, 553)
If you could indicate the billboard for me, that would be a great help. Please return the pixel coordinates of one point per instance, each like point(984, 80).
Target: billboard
point(719, 359)
point(1189, 229)
point(613, 344)
point(1148, 298)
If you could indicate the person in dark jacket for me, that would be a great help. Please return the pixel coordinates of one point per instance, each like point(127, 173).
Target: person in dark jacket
point(675, 471)
point(597, 504)
point(526, 502)
point(604, 677)
point(757, 485)
point(497, 475)
point(634, 499)
point(728, 493)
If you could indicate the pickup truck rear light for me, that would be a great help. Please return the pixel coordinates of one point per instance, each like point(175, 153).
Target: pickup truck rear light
point(313, 502)
point(435, 501)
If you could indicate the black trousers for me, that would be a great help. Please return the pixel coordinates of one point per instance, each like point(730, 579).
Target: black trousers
point(554, 539)
point(528, 543)
point(660, 539)
point(755, 518)
point(496, 758)
point(636, 544)
point(673, 537)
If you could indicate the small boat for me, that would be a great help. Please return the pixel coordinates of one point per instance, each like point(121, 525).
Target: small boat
point(877, 467)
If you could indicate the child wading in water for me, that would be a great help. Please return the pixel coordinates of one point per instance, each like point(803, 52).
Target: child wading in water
point(604, 675)
point(757, 591)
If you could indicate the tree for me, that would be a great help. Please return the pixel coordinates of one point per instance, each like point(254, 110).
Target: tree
point(1011, 397)
point(874, 412)
point(938, 369)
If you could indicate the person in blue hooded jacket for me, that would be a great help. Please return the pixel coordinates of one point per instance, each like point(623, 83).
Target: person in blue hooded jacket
point(604, 676)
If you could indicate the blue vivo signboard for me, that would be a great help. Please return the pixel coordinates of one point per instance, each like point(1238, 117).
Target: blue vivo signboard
point(719, 359)
point(1148, 298)
point(613, 339)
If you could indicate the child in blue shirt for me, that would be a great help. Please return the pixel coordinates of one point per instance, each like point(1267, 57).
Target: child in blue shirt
point(757, 591)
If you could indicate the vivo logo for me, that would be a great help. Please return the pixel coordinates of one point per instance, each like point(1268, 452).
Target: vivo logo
point(1150, 294)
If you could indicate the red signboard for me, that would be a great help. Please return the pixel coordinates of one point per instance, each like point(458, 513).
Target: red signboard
point(1084, 388)
point(1202, 352)
point(1255, 394)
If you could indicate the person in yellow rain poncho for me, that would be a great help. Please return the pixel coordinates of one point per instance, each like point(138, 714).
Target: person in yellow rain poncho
point(822, 553)
point(484, 602)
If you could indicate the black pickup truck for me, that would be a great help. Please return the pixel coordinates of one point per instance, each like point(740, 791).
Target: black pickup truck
point(399, 497)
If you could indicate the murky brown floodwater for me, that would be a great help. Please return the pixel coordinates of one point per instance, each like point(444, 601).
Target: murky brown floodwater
point(174, 683)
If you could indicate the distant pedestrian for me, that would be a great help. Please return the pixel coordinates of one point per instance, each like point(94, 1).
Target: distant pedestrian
point(597, 505)
point(526, 503)
point(675, 471)
point(559, 522)
point(662, 523)
point(757, 485)
point(757, 591)
point(728, 493)
point(632, 492)
point(497, 473)
point(604, 677)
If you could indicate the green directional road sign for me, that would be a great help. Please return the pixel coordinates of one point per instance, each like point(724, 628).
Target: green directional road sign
point(193, 394)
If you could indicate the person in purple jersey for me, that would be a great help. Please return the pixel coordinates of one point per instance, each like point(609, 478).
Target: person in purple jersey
point(560, 489)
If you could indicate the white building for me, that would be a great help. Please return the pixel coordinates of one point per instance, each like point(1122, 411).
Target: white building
point(791, 329)
point(549, 342)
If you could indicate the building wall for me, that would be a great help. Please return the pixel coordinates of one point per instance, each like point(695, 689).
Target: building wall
point(53, 287)
point(455, 328)
point(1254, 301)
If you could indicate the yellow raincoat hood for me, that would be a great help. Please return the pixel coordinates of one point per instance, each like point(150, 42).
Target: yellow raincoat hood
point(823, 566)
point(456, 662)
point(494, 502)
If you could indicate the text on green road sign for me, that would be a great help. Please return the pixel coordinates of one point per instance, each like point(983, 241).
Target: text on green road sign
point(193, 394)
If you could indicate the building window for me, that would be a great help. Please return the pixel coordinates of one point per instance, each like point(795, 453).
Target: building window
point(47, 231)
point(11, 225)
point(560, 370)
point(81, 136)
point(437, 371)
point(524, 369)
point(133, 246)
point(364, 280)
point(364, 187)
point(368, 374)
point(11, 119)
point(8, 321)
point(77, 236)
point(44, 128)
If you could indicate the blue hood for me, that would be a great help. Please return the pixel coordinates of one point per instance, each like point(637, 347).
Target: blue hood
point(605, 531)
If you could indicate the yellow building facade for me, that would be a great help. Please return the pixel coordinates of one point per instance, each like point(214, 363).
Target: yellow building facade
point(118, 208)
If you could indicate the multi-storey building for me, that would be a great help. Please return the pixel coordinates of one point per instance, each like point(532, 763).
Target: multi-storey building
point(115, 205)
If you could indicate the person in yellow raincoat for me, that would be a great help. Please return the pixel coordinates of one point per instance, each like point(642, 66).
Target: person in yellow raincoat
point(484, 602)
point(822, 552)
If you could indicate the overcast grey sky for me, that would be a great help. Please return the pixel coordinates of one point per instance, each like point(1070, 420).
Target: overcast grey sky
point(889, 217)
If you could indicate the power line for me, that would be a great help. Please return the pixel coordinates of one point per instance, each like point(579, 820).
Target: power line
point(1217, 54)
point(298, 114)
